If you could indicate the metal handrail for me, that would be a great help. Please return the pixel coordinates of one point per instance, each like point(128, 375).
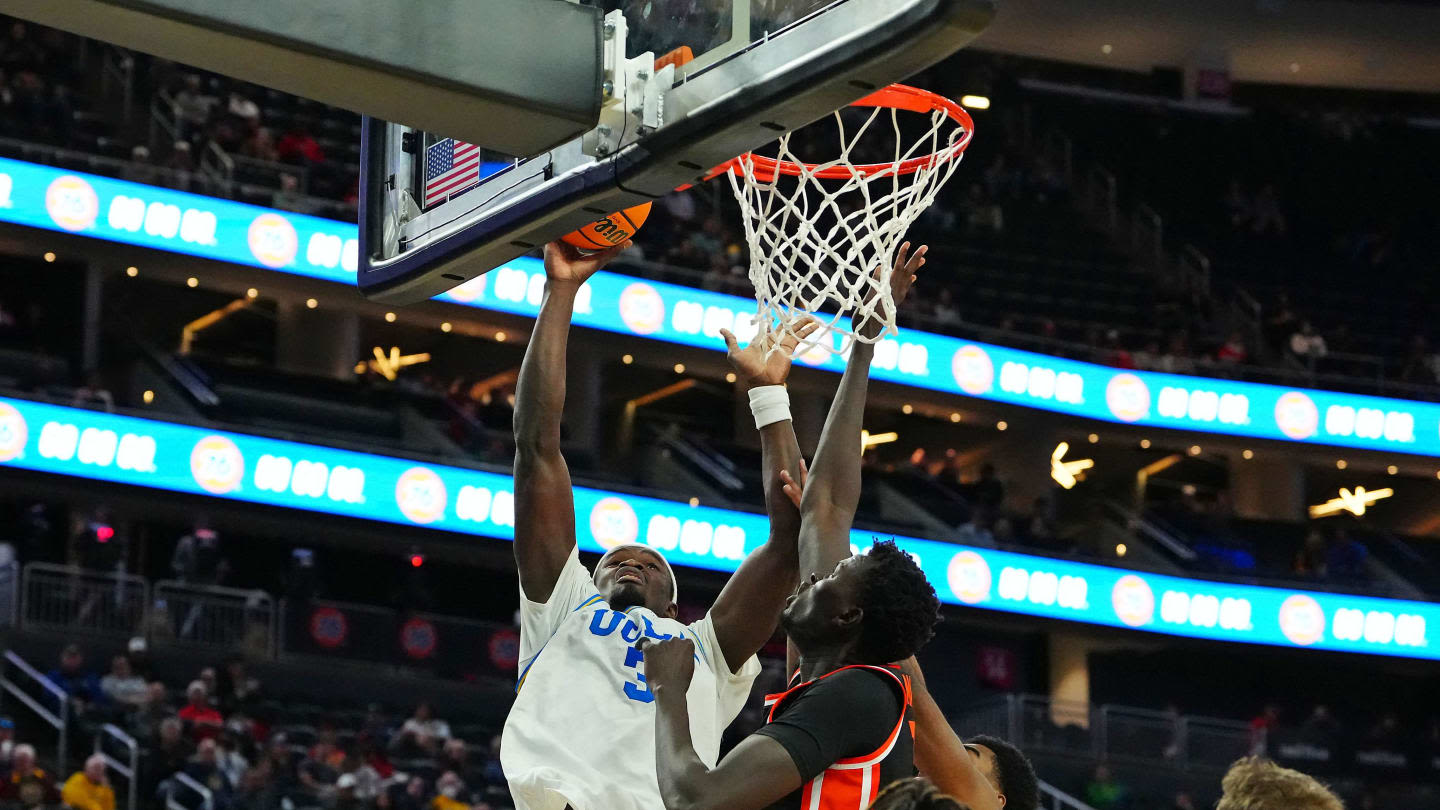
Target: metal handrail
point(251, 599)
point(60, 722)
point(131, 769)
point(1059, 799)
point(207, 798)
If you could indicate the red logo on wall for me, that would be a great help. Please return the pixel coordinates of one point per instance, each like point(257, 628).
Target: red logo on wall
point(997, 667)
point(418, 638)
point(505, 649)
point(329, 627)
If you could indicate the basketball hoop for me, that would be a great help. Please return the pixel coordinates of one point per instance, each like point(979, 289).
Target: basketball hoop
point(818, 231)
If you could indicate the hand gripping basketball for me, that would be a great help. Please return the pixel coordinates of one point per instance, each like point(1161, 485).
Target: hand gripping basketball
point(566, 264)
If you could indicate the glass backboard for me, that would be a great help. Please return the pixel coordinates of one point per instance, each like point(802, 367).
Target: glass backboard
point(688, 84)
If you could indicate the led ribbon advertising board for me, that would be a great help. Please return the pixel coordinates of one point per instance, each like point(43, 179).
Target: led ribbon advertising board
point(136, 214)
point(253, 469)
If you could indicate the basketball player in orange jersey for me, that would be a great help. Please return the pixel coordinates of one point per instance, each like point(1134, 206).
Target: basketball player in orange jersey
point(842, 731)
point(581, 731)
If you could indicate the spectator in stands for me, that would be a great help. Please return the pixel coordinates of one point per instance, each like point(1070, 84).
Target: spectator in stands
point(450, 794)
point(1387, 732)
point(1260, 728)
point(979, 529)
point(7, 741)
point(1255, 783)
point(171, 749)
point(988, 490)
point(93, 392)
point(229, 759)
point(425, 722)
point(1041, 528)
point(1321, 728)
point(1306, 345)
point(288, 196)
point(204, 722)
point(140, 169)
point(1312, 560)
point(192, 108)
point(198, 558)
point(299, 147)
point(1103, 792)
point(1148, 357)
point(1114, 353)
point(181, 168)
point(261, 145)
point(79, 683)
point(1345, 560)
point(346, 793)
point(28, 783)
point(1233, 352)
point(1182, 801)
point(243, 108)
point(1419, 365)
point(89, 789)
point(1176, 357)
point(204, 767)
point(946, 311)
point(123, 687)
point(19, 51)
point(147, 719)
point(236, 689)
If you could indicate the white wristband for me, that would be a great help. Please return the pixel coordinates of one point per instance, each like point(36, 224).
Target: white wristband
point(769, 404)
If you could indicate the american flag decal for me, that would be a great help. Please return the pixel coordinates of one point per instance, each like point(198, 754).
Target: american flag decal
point(451, 167)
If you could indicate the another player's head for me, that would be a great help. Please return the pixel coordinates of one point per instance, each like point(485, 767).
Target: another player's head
point(1007, 770)
point(915, 794)
point(877, 606)
point(1256, 783)
point(637, 576)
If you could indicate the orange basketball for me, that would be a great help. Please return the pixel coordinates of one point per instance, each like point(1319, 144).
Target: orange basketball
point(611, 230)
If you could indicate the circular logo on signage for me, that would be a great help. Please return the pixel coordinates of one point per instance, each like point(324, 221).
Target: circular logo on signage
point(613, 522)
point(973, 371)
point(1302, 620)
point(642, 309)
point(273, 241)
point(470, 290)
point(969, 577)
point(1296, 415)
point(329, 627)
point(72, 203)
point(1133, 600)
point(418, 638)
point(217, 464)
point(421, 496)
point(13, 433)
point(1128, 397)
point(504, 648)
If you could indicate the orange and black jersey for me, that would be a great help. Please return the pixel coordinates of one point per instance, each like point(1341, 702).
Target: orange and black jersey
point(849, 733)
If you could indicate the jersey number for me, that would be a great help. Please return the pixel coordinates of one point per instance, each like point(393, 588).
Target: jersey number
point(637, 689)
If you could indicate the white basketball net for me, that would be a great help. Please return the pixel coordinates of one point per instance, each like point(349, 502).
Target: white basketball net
point(815, 242)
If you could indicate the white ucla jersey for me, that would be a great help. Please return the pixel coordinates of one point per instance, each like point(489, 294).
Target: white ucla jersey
point(582, 729)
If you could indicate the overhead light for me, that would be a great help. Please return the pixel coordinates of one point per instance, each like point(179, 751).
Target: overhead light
point(1120, 550)
point(1247, 454)
point(1002, 425)
point(1340, 464)
point(311, 303)
point(148, 396)
point(955, 417)
point(1188, 490)
point(1194, 449)
point(1353, 502)
point(1145, 444)
point(1067, 473)
point(500, 337)
point(694, 501)
point(445, 326)
point(1107, 48)
point(1392, 469)
point(730, 377)
point(1093, 438)
point(192, 282)
point(49, 257)
point(907, 408)
point(975, 102)
point(252, 293)
point(869, 440)
point(679, 368)
point(627, 359)
point(132, 271)
point(389, 317)
point(1294, 67)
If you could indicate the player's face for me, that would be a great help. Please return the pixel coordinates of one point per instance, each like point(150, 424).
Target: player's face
point(827, 609)
point(633, 576)
point(984, 763)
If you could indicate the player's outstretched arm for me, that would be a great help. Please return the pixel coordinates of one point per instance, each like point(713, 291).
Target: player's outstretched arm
point(941, 755)
point(544, 503)
point(827, 507)
point(747, 610)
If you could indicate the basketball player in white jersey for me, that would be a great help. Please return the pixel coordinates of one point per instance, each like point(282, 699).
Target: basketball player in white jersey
point(582, 730)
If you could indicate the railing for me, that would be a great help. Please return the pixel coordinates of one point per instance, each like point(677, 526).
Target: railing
point(1053, 798)
point(215, 165)
point(184, 780)
point(118, 68)
point(127, 768)
point(214, 617)
point(10, 594)
point(71, 600)
point(255, 166)
point(57, 718)
point(1147, 236)
point(1110, 732)
point(163, 119)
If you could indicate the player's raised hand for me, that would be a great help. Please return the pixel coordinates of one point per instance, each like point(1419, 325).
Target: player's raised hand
point(766, 360)
point(670, 664)
point(566, 264)
point(870, 322)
